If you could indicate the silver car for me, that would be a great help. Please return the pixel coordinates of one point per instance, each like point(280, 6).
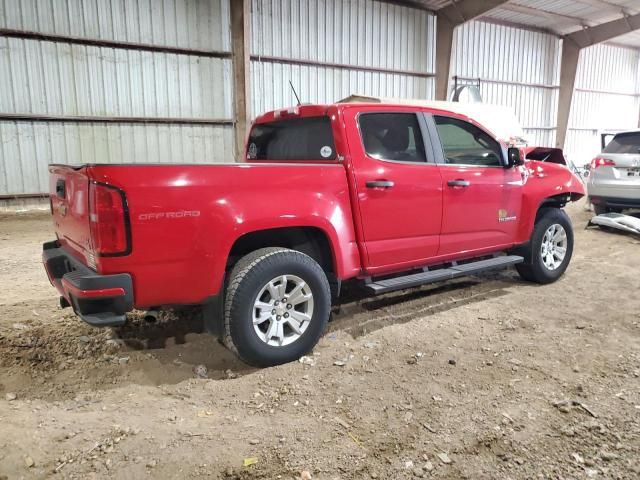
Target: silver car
point(614, 177)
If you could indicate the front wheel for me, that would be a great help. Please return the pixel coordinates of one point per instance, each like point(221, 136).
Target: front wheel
point(277, 306)
point(549, 251)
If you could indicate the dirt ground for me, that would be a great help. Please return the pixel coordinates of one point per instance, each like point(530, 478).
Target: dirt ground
point(484, 377)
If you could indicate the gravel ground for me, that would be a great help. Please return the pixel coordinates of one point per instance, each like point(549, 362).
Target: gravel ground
point(483, 377)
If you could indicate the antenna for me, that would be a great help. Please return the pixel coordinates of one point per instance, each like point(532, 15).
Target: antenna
point(294, 92)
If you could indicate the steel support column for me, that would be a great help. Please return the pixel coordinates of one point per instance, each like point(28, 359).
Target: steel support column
point(448, 18)
point(568, 68)
point(240, 49)
point(444, 45)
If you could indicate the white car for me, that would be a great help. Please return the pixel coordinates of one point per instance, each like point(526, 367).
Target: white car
point(614, 179)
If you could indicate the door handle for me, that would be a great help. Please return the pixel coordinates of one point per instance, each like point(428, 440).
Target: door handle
point(458, 183)
point(380, 184)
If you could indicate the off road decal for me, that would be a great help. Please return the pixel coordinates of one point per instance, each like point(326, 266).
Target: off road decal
point(170, 215)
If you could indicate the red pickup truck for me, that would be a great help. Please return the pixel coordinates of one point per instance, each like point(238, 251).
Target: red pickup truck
point(393, 196)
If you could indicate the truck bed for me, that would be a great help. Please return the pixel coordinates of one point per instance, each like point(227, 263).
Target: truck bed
point(183, 219)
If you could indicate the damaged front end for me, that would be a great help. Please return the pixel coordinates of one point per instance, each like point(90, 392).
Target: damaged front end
point(545, 154)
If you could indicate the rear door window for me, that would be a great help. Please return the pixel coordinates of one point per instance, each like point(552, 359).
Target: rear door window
point(624, 143)
point(308, 138)
point(465, 144)
point(392, 136)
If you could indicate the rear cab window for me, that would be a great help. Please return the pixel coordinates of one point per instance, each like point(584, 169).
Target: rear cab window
point(304, 139)
point(624, 143)
point(392, 136)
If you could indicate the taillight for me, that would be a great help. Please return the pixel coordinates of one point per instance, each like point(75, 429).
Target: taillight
point(601, 162)
point(108, 220)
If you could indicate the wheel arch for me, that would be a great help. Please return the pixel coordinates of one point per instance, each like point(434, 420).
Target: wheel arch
point(558, 201)
point(532, 211)
point(312, 241)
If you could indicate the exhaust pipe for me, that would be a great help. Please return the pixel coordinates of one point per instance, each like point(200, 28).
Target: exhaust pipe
point(151, 316)
point(64, 303)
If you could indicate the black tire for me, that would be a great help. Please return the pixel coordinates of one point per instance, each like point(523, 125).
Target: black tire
point(534, 269)
point(600, 209)
point(248, 277)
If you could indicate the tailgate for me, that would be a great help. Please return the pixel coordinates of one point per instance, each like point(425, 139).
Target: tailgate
point(69, 195)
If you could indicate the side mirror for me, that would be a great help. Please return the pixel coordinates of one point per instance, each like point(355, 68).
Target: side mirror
point(514, 159)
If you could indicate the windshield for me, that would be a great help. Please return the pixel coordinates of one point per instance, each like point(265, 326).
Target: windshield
point(624, 143)
point(309, 138)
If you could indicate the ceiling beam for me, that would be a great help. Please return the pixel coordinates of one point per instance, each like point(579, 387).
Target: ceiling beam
point(411, 4)
point(604, 5)
point(461, 11)
point(604, 31)
point(448, 18)
point(571, 46)
point(536, 12)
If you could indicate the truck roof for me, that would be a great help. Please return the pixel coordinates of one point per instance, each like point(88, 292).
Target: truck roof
point(498, 119)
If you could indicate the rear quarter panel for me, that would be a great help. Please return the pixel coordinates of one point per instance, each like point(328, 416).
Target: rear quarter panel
point(185, 219)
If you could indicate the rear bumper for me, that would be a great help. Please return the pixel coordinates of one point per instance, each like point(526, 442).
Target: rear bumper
point(615, 202)
point(100, 300)
point(614, 188)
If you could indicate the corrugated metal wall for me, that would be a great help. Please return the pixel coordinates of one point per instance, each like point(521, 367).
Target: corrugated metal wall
point(606, 97)
point(517, 68)
point(61, 79)
point(181, 23)
point(392, 45)
point(329, 49)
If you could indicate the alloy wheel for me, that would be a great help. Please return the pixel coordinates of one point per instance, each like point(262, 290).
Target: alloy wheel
point(283, 310)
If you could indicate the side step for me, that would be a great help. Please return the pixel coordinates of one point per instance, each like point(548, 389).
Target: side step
point(422, 278)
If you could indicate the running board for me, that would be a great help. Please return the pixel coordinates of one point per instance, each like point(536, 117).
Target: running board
point(422, 278)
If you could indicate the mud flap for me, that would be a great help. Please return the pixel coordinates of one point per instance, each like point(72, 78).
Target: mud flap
point(213, 315)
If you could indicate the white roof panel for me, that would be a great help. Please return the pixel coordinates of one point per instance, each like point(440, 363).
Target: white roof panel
point(557, 16)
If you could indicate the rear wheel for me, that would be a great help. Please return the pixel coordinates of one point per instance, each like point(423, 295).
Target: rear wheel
point(277, 306)
point(549, 251)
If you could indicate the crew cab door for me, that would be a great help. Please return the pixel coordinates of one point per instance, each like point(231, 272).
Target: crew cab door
point(481, 197)
point(398, 189)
